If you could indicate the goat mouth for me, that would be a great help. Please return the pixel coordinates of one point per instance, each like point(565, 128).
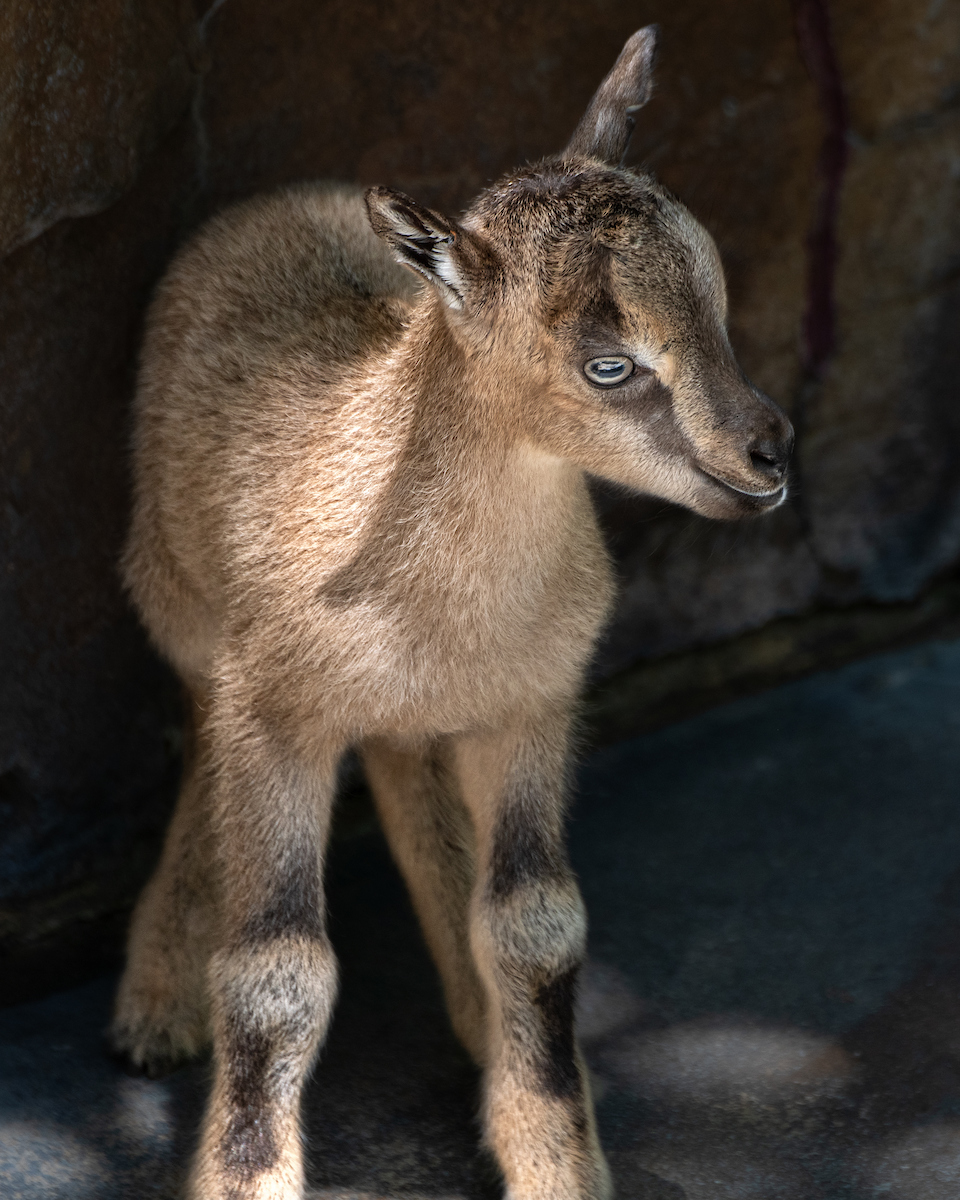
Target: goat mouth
point(756, 499)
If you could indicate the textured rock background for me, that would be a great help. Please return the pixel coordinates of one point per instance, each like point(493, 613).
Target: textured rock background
point(819, 141)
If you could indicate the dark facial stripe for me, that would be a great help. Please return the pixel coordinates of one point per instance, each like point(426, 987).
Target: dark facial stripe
point(583, 297)
point(644, 395)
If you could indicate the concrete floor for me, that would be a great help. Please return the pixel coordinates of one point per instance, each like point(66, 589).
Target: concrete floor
point(772, 1008)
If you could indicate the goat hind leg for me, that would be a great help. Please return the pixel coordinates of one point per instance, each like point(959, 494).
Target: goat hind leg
point(431, 837)
point(161, 1014)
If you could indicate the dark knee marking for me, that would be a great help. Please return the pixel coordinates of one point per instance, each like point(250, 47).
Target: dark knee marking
point(555, 1002)
point(294, 903)
point(248, 1145)
point(520, 853)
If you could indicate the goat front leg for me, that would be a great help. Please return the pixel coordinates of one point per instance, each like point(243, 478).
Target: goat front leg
point(528, 937)
point(272, 977)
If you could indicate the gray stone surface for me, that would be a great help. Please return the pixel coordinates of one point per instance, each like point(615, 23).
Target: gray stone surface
point(89, 88)
point(123, 123)
point(772, 1007)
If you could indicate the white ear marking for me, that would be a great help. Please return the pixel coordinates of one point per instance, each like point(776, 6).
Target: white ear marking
point(421, 239)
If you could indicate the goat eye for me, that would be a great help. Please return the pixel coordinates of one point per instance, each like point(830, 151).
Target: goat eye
point(609, 370)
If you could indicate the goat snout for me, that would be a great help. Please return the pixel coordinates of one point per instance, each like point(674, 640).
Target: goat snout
point(749, 459)
point(767, 443)
point(770, 456)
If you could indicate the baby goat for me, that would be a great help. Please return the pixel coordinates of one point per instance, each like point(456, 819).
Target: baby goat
point(362, 521)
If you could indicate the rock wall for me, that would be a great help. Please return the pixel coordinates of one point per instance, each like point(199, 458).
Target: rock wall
point(818, 140)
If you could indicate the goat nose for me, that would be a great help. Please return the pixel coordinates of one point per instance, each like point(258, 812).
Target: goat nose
point(770, 457)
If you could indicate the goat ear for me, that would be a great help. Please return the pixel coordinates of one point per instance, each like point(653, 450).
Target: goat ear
point(432, 245)
point(604, 132)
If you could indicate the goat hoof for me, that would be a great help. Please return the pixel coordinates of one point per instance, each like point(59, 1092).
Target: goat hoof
point(155, 1057)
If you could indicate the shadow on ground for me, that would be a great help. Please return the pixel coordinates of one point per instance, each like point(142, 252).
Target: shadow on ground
point(772, 1007)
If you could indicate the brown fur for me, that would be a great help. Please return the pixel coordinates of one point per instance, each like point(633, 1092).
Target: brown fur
point(361, 520)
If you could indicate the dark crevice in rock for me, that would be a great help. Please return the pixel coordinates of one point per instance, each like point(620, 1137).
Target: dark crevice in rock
point(814, 38)
point(201, 134)
point(818, 332)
